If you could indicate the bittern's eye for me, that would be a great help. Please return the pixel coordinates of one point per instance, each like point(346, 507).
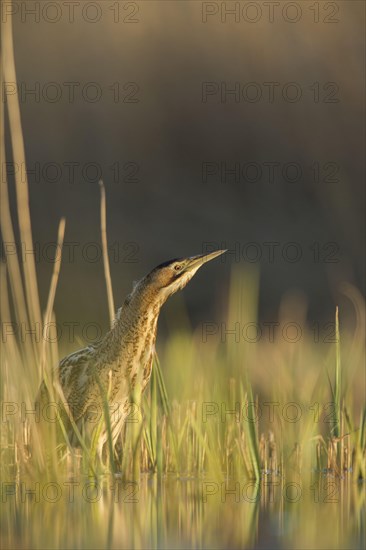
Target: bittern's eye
point(177, 267)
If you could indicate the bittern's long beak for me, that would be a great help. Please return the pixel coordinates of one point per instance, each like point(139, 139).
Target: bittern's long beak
point(196, 262)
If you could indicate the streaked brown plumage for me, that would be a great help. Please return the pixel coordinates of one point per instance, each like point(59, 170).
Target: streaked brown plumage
point(123, 359)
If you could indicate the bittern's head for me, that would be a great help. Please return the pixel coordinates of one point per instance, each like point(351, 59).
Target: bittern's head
point(173, 275)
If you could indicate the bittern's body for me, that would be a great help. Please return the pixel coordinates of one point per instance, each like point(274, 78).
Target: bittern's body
point(122, 361)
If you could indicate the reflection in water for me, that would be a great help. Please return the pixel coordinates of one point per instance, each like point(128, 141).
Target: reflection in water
point(182, 513)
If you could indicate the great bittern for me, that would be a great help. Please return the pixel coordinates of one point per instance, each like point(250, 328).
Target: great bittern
point(122, 360)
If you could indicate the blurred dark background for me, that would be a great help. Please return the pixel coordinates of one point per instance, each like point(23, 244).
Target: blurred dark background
point(162, 129)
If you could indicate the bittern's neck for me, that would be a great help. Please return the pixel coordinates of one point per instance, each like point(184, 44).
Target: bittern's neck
point(131, 341)
point(140, 311)
point(145, 297)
